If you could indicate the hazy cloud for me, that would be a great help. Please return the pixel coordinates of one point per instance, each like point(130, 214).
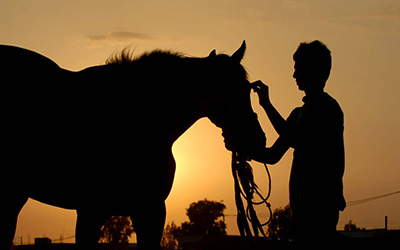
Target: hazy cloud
point(392, 14)
point(119, 36)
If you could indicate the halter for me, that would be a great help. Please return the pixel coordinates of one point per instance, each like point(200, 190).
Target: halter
point(245, 187)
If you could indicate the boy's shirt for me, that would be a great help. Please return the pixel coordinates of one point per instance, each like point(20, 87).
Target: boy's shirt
point(315, 131)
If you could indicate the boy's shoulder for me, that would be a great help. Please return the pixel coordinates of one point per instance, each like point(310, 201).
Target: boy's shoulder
point(326, 107)
point(332, 105)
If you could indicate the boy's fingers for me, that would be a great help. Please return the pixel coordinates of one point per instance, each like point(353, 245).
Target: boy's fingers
point(256, 86)
point(257, 83)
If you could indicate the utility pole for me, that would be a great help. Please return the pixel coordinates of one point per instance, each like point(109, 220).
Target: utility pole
point(386, 222)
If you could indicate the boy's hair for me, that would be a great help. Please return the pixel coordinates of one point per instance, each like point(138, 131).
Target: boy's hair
point(317, 57)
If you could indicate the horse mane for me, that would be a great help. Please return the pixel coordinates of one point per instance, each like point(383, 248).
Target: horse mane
point(165, 57)
point(126, 56)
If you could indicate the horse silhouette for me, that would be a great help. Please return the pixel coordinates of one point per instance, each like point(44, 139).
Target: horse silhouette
point(99, 140)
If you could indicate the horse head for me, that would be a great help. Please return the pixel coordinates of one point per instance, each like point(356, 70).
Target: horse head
point(232, 109)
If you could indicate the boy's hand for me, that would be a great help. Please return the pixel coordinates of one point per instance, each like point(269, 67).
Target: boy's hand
point(262, 90)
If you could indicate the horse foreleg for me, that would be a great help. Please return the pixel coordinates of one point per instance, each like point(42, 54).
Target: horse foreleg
point(11, 207)
point(87, 230)
point(148, 224)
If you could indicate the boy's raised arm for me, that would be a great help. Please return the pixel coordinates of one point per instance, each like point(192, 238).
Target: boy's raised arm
point(276, 119)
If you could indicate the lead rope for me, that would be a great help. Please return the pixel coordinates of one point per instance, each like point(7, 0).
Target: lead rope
point(245, 187)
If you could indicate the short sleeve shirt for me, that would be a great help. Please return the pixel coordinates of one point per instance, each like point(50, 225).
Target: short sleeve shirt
point(316, 134)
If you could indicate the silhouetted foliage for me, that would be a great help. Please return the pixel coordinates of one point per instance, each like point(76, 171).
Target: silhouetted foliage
point(168, 239)
point(280, 226)
point(352, 227)
point(117, 229)
point(204, 219)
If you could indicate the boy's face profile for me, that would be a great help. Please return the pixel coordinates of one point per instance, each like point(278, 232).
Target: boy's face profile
point(302, 75)
point(307, 76)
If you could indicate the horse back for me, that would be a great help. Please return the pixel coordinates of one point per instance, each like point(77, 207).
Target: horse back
point(71, 138)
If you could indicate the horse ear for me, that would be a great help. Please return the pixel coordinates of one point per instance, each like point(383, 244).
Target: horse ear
point(212, 54)
point(238, 55)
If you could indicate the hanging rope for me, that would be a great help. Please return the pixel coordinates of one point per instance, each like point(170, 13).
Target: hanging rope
point(245, 187)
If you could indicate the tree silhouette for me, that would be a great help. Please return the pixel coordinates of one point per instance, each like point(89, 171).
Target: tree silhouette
point(352, 227)
point(117, 229)
point(168, 240)
point(280, 226)
point(204, 219)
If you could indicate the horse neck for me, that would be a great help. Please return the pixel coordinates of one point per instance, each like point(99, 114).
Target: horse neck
point(177, 119)
point(183, 102)
point(173, 108)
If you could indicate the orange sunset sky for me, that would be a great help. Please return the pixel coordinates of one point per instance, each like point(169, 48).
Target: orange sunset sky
point(363, 35)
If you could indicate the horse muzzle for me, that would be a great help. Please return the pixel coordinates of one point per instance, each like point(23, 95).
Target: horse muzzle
point(244, 136)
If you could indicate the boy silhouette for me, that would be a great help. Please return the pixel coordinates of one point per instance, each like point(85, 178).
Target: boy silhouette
point(315, 131)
